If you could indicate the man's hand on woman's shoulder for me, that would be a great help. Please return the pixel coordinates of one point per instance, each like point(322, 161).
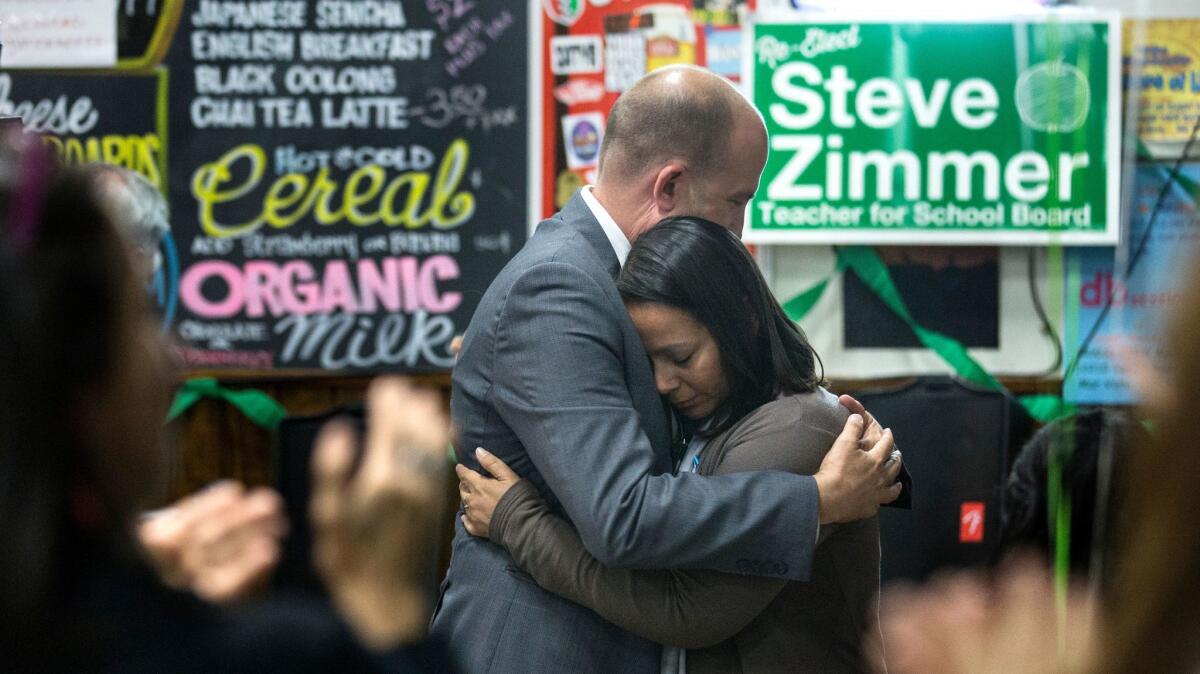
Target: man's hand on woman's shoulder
point(859, 473)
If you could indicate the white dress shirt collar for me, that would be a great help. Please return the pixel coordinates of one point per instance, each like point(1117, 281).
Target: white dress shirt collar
point(618, 240)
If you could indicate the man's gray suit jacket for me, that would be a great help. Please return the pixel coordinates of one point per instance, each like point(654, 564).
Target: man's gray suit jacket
point(553, 379)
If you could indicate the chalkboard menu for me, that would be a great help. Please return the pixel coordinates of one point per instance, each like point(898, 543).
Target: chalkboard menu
point(85, 123)
point(346, 177)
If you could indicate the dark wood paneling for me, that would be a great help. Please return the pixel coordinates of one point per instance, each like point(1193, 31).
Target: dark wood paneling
point(1017, 385)
point(213, 440)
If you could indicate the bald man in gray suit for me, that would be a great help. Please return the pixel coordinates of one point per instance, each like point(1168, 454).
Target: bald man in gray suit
point(554, 380)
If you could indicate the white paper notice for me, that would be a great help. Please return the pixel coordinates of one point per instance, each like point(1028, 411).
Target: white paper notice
point(58, 33)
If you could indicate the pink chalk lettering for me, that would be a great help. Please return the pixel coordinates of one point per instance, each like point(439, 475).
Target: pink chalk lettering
point(197, 303)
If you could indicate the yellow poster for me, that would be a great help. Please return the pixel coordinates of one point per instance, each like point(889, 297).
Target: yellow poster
point(1168, 52)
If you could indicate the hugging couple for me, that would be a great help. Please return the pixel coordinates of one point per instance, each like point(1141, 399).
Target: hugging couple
point(708, 508)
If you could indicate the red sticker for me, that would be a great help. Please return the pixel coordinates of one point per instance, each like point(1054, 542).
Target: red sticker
point(970, 522)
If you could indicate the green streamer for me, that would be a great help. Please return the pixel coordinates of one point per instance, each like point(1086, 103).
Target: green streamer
point(800, 305)
point(866, 264)
point(1058, 513)
point(1046, 407)
point(258, 407)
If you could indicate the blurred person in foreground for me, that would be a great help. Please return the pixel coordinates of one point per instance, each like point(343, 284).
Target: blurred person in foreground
point(138, 210)
point(222, 542)
point(1147, 617)
point(85, 387)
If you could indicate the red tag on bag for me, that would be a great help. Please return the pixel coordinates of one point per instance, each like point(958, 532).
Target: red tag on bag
point(970, 522)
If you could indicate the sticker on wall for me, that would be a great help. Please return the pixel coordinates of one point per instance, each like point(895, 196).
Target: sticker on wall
point(565, 187)
point(1166, 55)
point(579, 91)
point(564, 12)
point(575, 54)
point(970, 522)
point(721, 13)
point(670, 35)
point(624, 60)
point(582, 135)
point(723, 51)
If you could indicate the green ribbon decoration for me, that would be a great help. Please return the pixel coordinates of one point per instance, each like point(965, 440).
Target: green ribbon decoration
point(1046, 407)
point(799, 306)
point(865, 263)
point(1058, 513)
point(258, 407)
point(1190, 186)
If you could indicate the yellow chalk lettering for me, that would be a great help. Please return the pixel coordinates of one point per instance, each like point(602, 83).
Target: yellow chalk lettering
point(136, 153)
point(208, 178)
point(354, 199)
point(284, 193)
point(366, 198)
point(450, 173)
point(417, 183)
point(324, 190)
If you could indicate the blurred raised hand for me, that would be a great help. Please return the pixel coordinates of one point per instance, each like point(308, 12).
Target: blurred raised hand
point(964, 624)
point(376, 528)
point(222, 543)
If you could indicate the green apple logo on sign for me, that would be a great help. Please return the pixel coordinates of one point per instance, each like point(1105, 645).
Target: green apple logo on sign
point(1053, 97)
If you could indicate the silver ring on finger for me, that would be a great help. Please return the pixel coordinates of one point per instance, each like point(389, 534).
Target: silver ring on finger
point(466, 506)
point(894, 457)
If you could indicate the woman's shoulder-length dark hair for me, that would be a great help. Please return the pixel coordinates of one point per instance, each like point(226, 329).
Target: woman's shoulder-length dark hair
point(702, 268)
point(65, 283)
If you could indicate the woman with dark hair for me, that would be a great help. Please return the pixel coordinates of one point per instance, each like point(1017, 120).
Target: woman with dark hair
point(84, 386)
point(747, 385)
point(1089, 444)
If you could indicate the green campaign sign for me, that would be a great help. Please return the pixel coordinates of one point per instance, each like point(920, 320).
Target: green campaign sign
point(997, 132)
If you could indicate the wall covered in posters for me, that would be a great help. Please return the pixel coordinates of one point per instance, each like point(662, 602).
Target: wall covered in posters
point(1109, 310)
point(882, 132)
point(1165, 71)
point(593, 50)
point(1117, 301)
point(344, 178)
